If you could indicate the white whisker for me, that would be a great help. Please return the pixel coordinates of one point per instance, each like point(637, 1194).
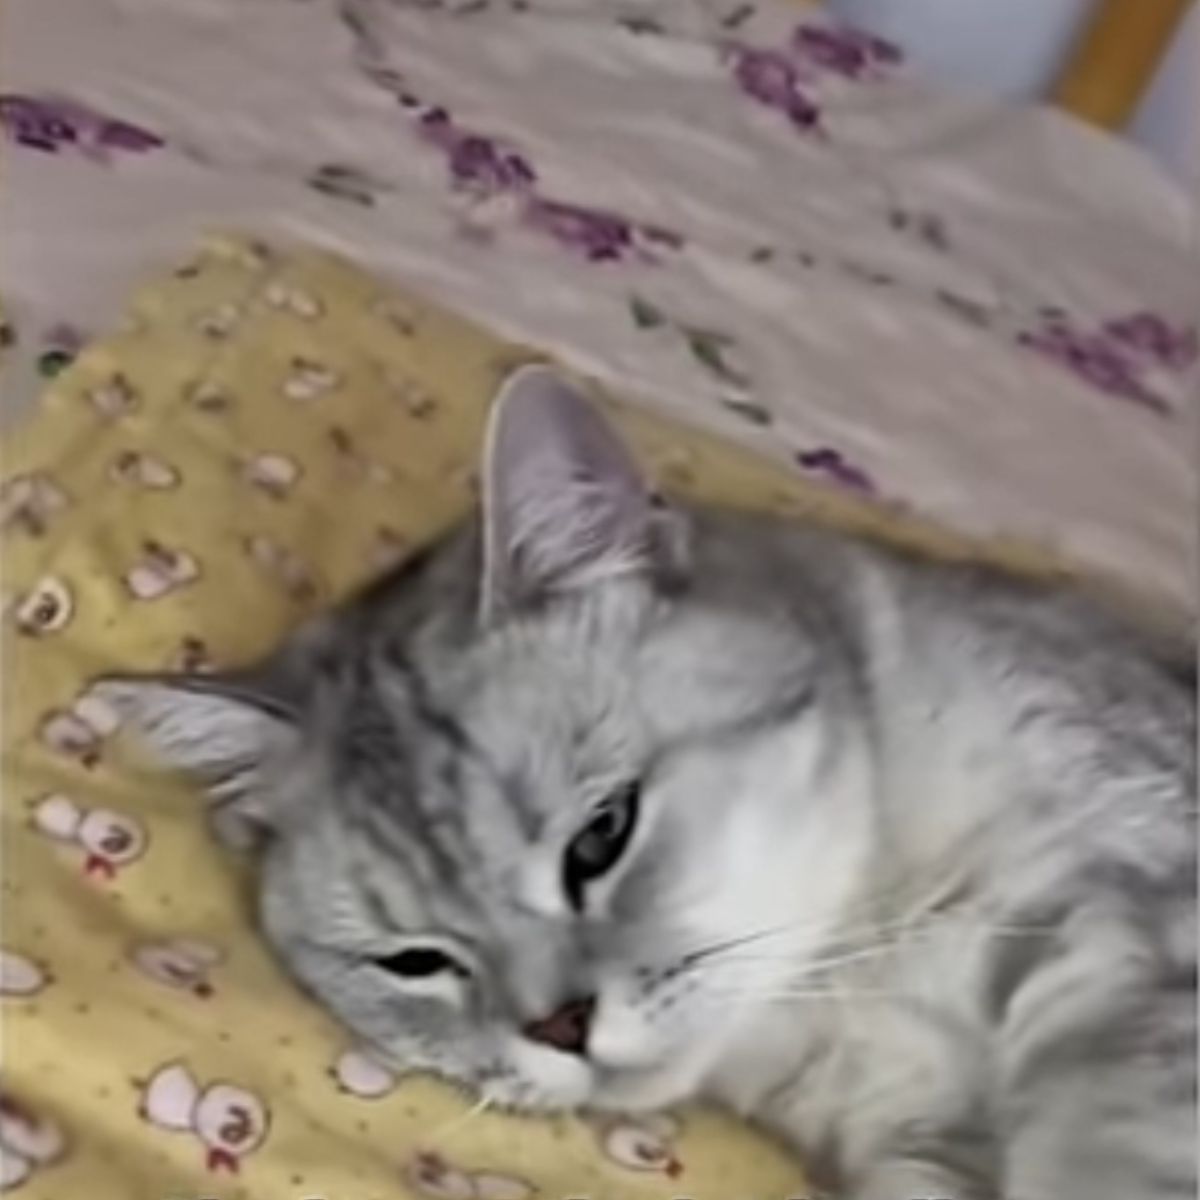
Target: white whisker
point(448, 1128)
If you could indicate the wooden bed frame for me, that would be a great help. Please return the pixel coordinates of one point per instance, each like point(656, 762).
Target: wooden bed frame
point(1115, 59)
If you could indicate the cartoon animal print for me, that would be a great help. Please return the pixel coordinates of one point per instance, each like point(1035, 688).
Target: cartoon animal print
point(180, 962)
point(79, 730)
point(252, 255)
point(642, 1143)
point(308, 380)
point(29, 1142)
point(207, 397)
point(22, 976)
point(274, 474)
point(402, 319)
point(110, 840)
point(294, 300)
point(28, 502)
point(432, 1176)
point(191, 656)
point(284, 566)
point(354, 462)
point(218, 323)
point(66, 733)
point(230, 1121)
point(159, 571)
point(45, 609)
point(143, 471)
point(358, 1073)
point(115, 398)
point(414, 398)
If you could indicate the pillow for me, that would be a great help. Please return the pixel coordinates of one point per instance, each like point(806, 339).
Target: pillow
point(269, 429)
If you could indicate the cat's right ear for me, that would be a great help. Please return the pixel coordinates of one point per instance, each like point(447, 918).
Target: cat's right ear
point(565, 506)
point(222, 730)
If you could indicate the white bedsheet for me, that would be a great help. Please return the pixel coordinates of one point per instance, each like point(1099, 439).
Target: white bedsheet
point(986, 315)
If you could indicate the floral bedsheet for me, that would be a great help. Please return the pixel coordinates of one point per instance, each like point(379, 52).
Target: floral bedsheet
point(754, 220)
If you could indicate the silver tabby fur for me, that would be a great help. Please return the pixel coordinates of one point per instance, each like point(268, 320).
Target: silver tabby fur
point(914, 880)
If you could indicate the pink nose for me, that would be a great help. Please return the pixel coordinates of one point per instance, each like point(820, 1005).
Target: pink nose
point(566, 1028)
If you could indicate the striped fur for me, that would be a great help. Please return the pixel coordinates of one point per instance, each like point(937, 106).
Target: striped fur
point(913, 882)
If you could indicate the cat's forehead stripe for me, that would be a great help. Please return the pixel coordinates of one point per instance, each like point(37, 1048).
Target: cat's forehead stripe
point(402, 831)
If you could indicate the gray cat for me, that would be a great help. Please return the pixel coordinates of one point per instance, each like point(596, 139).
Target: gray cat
point(607, 803)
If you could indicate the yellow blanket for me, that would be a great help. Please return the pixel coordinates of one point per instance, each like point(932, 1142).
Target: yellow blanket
point(267, 430)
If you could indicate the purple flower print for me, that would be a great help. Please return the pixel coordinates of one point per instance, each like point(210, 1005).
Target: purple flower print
point(1101, 365)
point(599, 235)
point(771, 78)
point(829, 462)
point(120, 135)
point(478, 163)
point(37, 124)
point(844, 51)
point(766, 75)
point(49, 123)
point(1149, 335)
point(1095, 358)
point(783, 79)
point(436, 124)
point(482, 163)
point(485, 167)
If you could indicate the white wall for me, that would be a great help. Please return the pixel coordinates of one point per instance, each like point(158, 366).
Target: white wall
point(1014, 49)
point(1168, 121)
point(1010, 48)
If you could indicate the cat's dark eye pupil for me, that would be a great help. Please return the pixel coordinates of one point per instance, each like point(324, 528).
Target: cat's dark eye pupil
point(417, 962)
point(595, 849)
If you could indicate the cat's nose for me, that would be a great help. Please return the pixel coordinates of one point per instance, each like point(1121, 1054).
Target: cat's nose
point(566, 1028)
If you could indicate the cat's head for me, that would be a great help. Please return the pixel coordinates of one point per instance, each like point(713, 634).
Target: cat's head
point(558, 815)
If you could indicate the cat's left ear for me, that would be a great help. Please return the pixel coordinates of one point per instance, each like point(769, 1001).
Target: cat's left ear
point(565, 506)
point(223, 730)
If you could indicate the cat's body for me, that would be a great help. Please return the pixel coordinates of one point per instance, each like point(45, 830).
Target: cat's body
point(896, 858)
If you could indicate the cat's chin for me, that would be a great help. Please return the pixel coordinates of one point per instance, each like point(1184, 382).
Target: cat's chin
point(542, 1080)
point(538, 1079)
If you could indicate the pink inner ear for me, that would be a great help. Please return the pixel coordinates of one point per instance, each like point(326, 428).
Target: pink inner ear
point(563, 499)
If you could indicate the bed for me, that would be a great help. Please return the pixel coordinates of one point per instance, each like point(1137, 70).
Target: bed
point(812, 282)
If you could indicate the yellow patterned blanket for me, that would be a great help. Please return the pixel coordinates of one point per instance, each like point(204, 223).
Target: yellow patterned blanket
point(268, 430)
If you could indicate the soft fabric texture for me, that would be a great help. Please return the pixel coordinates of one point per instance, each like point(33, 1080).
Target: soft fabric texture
point(269, 430)
point(610, 802)
point(983, 313)
point(265, 434)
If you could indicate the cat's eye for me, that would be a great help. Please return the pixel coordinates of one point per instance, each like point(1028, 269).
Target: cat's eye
point(596, 848)
point(419, 962)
